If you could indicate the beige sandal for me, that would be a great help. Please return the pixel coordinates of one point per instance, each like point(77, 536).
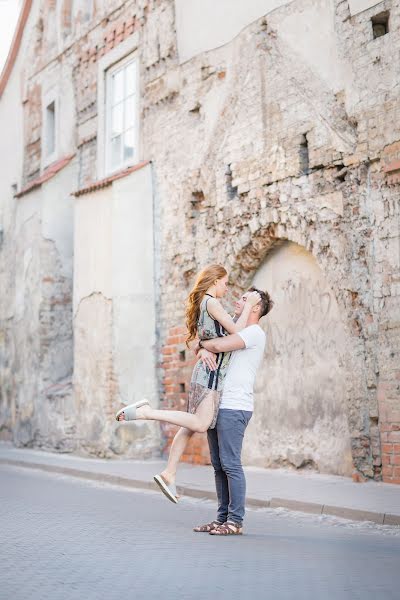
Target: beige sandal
point(228, 528)
point(207, 527)
point(168, 489)
point(130, 410)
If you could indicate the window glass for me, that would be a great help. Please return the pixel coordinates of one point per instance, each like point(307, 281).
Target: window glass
point(129, 140)
point(116, 151)
point(130, 106)
point(130, 86)
point(118, 87)
point(121, 115)
point(116, 119)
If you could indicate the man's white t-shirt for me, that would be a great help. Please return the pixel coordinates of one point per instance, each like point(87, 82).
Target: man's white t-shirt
point(237, 393)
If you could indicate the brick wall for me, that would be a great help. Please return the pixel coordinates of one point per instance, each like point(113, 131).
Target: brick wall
point(388, 388)
point(177, 364)
point(389, 417)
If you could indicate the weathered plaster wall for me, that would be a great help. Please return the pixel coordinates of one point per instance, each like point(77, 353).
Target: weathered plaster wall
point(36, 264)
point(357, 6)
point(40, 406)
point(39, 352)
point(114, 314)
point(207, 25)
point(301, 412)
point(11, 151)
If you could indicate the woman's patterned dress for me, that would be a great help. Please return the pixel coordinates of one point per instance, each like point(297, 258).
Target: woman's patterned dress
point(204, 382)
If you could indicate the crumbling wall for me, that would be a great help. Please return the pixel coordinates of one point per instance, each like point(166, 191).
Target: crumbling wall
point(285, 144)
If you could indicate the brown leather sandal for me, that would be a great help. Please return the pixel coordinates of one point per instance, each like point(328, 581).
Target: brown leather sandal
point(208, 527)
point(228, 528)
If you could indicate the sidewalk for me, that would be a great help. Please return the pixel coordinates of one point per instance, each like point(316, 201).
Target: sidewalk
point(269, 488)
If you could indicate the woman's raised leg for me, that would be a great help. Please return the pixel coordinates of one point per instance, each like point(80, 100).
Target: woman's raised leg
point(198, 422)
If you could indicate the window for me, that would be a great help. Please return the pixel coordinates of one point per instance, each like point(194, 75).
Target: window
point(121, 115)
point(50, 129)
point(380, 24)
point(304, 157)
point(50, 117)
point(87, 9)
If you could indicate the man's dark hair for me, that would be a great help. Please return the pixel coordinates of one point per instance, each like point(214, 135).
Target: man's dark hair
point(266, 301)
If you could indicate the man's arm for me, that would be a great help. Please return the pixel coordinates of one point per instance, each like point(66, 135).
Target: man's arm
point(224, 344)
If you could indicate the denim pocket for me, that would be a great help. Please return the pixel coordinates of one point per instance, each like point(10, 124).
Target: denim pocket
point(234, 419)
point(246, 416)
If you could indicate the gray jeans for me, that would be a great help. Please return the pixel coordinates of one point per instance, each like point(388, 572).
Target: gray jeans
point(225, 443)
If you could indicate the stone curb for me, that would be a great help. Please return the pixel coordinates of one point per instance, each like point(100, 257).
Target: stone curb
point(352, 514)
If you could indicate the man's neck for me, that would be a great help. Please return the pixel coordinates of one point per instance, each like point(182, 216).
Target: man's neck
point(252, 320)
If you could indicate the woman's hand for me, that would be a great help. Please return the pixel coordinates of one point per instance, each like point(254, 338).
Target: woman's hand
point(196, 347)
point(253, 299)
point(208, 359)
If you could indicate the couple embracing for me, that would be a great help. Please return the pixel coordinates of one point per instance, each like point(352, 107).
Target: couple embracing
point(229, 351)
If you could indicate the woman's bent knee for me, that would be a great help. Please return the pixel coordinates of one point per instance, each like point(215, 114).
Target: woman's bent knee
point(200, 428)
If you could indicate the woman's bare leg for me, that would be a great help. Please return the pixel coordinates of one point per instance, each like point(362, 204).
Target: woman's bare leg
point(189, 424)
point(178, 446)
point(198, 422)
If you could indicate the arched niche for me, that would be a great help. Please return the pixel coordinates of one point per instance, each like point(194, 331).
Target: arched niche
point(300, 416)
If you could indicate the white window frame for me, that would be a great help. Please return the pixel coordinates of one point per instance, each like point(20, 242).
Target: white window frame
point(109, 75)
point(108, 64)
point(47, 99)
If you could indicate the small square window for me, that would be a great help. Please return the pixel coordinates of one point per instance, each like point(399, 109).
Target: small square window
point(380, 24)
point(121, 115)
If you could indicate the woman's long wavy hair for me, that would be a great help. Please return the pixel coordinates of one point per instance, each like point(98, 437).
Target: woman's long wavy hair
point(204, 280)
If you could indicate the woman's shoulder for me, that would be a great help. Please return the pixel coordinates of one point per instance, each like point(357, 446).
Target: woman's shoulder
point(211, 303)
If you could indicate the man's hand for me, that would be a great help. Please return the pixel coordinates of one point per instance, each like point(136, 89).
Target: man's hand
point(208, 359)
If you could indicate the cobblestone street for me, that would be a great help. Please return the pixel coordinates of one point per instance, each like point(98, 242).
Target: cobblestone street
point(68, 539)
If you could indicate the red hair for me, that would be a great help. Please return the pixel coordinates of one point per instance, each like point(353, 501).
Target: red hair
point(204, 280)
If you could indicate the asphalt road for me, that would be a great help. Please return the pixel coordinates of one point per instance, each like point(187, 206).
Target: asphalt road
point(65, 538)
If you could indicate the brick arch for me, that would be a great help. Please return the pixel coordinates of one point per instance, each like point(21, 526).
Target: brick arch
point(244, 263)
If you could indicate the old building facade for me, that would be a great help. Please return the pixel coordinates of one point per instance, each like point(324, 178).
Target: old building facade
point(146, 138)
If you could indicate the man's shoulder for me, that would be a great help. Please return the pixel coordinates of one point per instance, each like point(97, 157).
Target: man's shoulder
point(253, 335)
point(260, 333)
point(255, 329)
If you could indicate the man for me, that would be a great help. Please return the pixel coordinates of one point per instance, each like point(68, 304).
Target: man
point(236, 408)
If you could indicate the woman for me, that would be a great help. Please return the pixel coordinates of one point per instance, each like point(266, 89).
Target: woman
point(207, 319)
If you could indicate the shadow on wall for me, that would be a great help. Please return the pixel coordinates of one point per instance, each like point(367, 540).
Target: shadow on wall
point(300, 414)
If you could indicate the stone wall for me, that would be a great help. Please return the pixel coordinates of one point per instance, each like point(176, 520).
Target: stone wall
point(286, 139)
